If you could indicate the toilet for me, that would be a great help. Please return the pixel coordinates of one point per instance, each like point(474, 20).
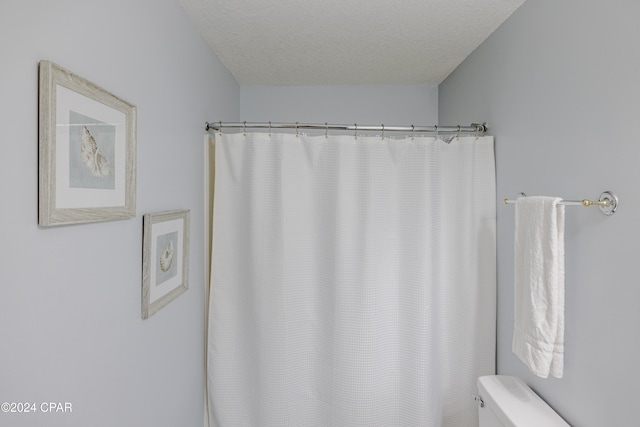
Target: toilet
point(505, 401)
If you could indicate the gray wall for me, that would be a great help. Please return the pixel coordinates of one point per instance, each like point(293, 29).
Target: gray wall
point(366, 105)
point(558, 86)
point(70, 326)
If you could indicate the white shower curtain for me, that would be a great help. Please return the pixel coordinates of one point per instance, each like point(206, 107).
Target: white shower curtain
point(353, 281)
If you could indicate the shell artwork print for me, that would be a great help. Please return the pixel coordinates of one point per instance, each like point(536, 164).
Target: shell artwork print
point(92, 156)
point(166, 257)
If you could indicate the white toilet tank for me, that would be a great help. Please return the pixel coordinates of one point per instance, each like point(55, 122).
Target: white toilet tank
point(506, 401)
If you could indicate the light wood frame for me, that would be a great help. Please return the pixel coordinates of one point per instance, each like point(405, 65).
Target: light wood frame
point(64, 199)
point(165, 237)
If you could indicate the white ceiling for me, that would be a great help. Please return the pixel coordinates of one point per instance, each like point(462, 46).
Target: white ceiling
point(345, 42)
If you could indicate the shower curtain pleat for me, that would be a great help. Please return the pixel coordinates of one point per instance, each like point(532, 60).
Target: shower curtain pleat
point(353, 280)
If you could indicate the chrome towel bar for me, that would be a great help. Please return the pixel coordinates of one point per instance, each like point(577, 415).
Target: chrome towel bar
point(608, 202)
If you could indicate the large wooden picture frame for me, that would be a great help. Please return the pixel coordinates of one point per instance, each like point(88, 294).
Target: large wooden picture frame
point(87, 155)
point(165, 259)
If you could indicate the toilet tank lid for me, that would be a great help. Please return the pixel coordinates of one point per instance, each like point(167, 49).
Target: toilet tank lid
point(515, 404)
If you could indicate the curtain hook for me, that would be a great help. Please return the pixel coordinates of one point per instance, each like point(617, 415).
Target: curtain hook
point(326, 130)
point(269, 129)
point(383, 131)
point(458, 134)
point(355, 134)
point(220, 128)
point(244, 128)
point(436, 131)
point(297, 135)
point(413, 130)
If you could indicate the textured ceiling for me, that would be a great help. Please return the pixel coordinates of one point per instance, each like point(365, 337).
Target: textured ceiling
point(335, 42)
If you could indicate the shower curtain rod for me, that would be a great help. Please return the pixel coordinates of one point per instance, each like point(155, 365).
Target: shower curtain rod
point(476, 128)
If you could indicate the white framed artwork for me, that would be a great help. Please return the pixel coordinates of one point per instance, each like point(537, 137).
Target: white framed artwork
point(87, 151)
point(165, 259)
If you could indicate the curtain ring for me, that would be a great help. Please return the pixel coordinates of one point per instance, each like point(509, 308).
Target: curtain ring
point(244, 128)
point(458, 134)
point(220, 127)
point(383, 131)
point(269, 129)
point(413, 130)
point(326, 130)
point(355, 134)
point(436, 131)
point(297, 135)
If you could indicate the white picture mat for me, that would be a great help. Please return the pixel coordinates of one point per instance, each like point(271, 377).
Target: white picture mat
point(67, 197)
point(158, 229)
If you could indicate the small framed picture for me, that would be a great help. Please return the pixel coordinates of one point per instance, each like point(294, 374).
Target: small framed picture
point(165, 259)
point(87, 151)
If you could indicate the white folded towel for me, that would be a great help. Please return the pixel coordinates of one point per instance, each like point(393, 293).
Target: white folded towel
point(538, 336)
